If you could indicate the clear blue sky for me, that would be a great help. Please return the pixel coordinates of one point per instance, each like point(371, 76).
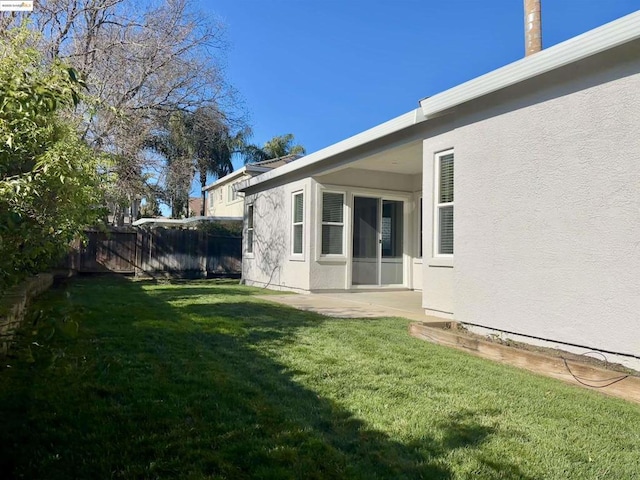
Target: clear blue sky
point(327, 69)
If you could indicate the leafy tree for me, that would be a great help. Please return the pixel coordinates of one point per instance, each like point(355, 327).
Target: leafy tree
point(199, 142)
point(49, 189)
point(278, 146)
point(143, 63)
point(213, 145)
point(172, 143)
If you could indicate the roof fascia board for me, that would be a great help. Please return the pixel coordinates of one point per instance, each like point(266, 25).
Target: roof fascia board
point(234, 174)
point(226, 178)
point(611, 35)
point(394, 125)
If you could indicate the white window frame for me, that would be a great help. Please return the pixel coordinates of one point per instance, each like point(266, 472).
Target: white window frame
point(420, 227)
point(232, 194)
point(329, 256)
point(250, 228)
point(437, 206)
point(295, 224)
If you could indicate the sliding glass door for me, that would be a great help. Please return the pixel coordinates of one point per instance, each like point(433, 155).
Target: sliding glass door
point(377, 242)
point(365, 241)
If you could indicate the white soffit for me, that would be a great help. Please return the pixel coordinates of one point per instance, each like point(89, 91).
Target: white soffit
point(610, 35)
point(394, 125)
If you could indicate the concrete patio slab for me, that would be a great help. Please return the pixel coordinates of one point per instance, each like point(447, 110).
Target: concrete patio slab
point(406, 304)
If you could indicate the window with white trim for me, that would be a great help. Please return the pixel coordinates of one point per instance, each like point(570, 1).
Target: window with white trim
point(332, 223)
point(232, 193)
point(297, 216)
point(443, 217)
point(250, 229)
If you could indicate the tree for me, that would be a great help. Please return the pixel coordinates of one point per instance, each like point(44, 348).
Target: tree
point(49, 188)
point(142, 62)
point(172, 144)
point(278, 146)
point(197, 142)
point(213, 145)
point(282, 145)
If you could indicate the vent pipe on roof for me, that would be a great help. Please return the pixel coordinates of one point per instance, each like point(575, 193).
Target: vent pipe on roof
point(532, 27)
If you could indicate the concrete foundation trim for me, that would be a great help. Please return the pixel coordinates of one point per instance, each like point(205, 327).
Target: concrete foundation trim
point(609, 382)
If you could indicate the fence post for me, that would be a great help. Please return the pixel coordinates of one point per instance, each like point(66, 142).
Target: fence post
point(139, 247)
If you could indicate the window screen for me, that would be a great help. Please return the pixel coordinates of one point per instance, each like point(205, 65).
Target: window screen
point(298, 223)
point(332, 223)
point(444, 206)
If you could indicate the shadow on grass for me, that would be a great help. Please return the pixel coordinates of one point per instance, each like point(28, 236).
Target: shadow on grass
point(184, 392)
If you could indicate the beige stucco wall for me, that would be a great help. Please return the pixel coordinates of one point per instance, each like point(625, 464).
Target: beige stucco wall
point(272, 262)
point(219, 203)
point(547, 207)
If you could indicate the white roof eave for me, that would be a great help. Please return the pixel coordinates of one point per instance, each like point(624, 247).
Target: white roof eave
point(235, 174)
point(394, 125)
point(611, 35)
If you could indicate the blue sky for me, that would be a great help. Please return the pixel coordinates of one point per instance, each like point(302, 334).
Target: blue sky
point(327, 69)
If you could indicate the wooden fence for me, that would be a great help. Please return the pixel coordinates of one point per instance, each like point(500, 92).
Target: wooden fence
point(157, 252)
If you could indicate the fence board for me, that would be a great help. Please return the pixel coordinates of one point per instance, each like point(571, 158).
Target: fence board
point(193, 253)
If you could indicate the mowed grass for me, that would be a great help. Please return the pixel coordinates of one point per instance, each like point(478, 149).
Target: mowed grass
point(121, 379)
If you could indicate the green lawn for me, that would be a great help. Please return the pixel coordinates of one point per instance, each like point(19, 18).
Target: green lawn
point(122, 379)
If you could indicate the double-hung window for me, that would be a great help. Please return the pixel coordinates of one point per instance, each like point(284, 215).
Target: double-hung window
point(332, 223)
point(443, 217)
point(250, 229)
point(297, 232)
point(230, 193)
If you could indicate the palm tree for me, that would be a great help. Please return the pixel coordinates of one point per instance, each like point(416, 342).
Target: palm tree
point(170, 142)
point(195, 142)
point(213, 145)
point(278, 146)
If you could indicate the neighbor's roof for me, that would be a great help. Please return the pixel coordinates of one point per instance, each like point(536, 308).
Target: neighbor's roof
point(257, 167)
point(276, 162)
point(606, 37)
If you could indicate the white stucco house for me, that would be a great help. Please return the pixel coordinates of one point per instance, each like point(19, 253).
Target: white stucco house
point(511, 201)
point(222, 197)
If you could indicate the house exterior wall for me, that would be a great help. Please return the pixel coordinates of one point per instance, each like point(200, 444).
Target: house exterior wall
point(334, 273)
point(272, 262)
point(219, 204)
point(437, 280)
point(547, 208)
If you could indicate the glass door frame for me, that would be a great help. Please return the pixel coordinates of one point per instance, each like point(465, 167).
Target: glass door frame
point(380, 197)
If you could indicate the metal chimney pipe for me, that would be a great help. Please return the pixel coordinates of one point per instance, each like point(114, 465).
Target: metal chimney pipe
point(532, 27)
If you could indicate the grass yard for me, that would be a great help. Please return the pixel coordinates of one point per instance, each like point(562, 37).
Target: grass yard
point(121, 379)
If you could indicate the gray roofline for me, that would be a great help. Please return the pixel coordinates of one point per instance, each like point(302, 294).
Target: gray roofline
point(606, 37)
